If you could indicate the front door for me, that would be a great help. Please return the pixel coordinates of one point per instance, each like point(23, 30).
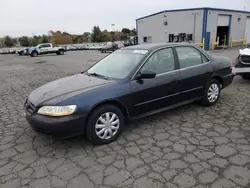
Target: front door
point(195, 70)
point(45, 48)
point(156, 93)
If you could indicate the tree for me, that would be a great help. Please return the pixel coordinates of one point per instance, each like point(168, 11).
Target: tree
point(86, 34)
point(65, 33)
point(86, 37)
point(106, 36)
point(45, 39)
point(112, 33)
point(8, 41)
point(126, 31)
point(76, 39)
point(35, 40)
point(96, 35)
point(24, 41)
point(133, 32)
point(118, 36)
point(60, 38)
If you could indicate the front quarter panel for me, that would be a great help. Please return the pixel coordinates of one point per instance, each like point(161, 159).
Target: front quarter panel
point(86, 101)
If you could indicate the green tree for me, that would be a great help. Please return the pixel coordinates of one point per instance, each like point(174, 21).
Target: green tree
point(86, 34)
point(133, 32)
point(112, 33)
point(24, 41)
point(86, 37)
point(106, 36)
point(65, 33)
point(96, 35)
point(45, 39)
point(76, 38)
point(8, 41)
point(126, 31)
point(35, 40)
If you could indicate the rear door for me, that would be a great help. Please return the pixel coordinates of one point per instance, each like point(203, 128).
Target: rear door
point(195, 70)
point(159, 92)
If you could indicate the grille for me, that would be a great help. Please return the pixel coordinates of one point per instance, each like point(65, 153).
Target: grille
point(245, 59)
point(29, 106)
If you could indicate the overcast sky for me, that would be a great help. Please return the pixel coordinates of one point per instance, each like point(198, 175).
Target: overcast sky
point(29, 17)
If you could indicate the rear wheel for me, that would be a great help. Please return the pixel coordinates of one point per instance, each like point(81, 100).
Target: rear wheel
point(60, 52)
point(105, 124)
point(212, 93)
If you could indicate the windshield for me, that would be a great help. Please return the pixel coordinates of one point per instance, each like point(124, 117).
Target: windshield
point(117, 65)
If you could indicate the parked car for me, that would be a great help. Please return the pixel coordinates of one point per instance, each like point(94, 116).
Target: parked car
point(109, 47)
point(130, 83)
point(243, 62)
point(23, 51)
point(4, 51)
point(46, 48)
point(12, 51)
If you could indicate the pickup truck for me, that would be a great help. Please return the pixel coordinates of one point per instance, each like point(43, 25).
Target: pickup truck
point(46, 48)
point(242, 63)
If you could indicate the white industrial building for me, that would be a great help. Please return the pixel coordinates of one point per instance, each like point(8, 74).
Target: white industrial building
point(194, 25)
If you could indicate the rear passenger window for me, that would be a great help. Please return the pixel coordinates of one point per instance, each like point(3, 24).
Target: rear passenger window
point(189, 56)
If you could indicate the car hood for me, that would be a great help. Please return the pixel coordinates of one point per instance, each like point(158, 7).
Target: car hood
point(245, 51)
point(64, 88)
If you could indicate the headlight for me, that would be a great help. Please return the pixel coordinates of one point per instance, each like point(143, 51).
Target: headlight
point(57, 111)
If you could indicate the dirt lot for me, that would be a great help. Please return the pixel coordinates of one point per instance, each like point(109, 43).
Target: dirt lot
point(190, 146)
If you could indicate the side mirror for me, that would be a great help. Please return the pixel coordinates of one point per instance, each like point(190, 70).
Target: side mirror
point(146, 75)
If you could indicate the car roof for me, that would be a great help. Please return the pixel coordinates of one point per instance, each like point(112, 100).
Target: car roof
point(153, 46)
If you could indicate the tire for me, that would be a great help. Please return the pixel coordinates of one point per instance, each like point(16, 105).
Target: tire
point(245, 76)
point(60, 52)
point(91, 129)
point(34, 54)
point(214, 87)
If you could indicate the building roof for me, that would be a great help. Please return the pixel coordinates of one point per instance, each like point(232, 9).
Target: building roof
point(190, 9)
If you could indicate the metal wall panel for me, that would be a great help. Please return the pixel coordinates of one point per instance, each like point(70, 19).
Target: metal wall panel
point(223, 20)
point(247, 31)
point(159, 26)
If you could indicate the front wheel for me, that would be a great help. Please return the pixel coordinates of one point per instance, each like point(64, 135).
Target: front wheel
point(211, 93)
point(34, 54)
point(105, 124)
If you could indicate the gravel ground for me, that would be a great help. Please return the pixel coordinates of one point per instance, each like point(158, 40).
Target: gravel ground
point(190, 146)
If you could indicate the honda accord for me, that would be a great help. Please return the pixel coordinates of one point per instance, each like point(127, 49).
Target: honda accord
point(130, 83)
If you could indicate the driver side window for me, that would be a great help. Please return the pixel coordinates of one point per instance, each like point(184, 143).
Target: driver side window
point(161, 61)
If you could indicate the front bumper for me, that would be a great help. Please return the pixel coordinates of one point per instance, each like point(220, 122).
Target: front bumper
point(57, 127)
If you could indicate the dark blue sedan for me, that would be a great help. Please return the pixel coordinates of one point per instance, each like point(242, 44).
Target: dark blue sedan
point(130, 83)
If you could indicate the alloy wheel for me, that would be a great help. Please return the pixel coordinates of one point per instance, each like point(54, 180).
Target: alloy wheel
point(213, 93)
point(107, 125)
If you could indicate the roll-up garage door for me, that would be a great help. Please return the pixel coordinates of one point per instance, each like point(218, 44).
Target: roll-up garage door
point(223, 20)
point(247, 31)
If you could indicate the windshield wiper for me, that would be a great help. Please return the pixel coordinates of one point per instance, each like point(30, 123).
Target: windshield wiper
point(97, 75)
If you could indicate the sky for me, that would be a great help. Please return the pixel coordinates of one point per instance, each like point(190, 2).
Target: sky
point(35, 17)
